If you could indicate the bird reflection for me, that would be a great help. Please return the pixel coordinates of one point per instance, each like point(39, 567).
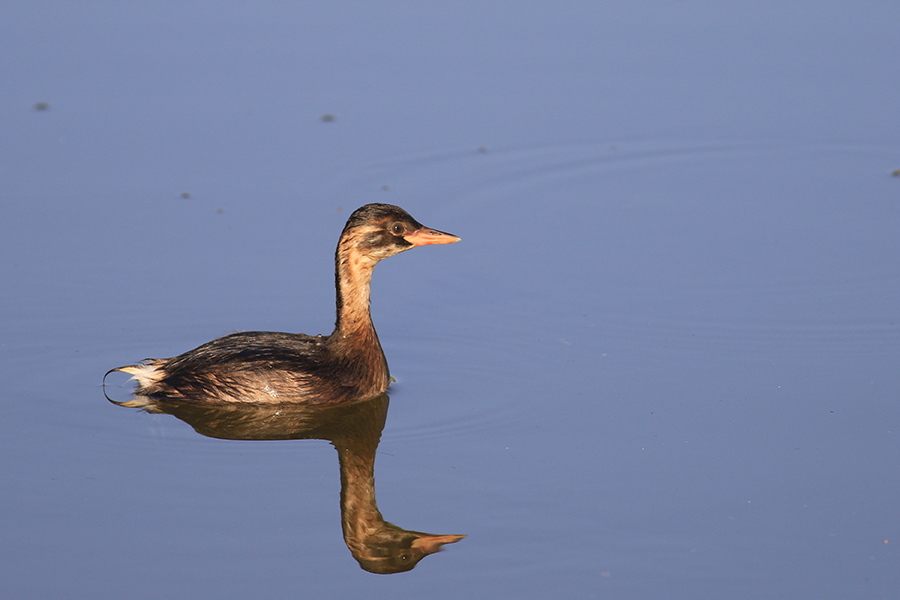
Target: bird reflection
point(355, 430)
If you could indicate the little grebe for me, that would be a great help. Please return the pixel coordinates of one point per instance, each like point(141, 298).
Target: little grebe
point(271, 367)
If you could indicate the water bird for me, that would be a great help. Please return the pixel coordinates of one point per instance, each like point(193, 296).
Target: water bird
point(265, 367)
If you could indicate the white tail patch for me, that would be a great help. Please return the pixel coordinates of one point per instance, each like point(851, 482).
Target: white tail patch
point(145, 374)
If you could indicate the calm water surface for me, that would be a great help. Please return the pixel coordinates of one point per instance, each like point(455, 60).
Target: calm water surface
point(661, 363)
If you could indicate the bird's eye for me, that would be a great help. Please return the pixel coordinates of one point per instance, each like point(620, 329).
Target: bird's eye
point(397, 228)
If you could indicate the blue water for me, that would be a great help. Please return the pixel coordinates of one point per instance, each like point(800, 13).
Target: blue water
point(661, 363)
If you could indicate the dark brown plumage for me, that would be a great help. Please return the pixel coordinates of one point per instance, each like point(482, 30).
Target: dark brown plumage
point(271, 367)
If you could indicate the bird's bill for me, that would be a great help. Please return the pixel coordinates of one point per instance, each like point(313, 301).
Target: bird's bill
point(425, 236)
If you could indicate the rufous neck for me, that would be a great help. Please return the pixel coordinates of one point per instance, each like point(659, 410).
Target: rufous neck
point(353, 278)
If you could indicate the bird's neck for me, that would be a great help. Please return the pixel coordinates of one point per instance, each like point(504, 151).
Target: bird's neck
point(353, 278)
point(354, 339)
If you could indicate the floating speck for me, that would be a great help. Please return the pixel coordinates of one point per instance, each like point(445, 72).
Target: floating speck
point(185, 195)
point(896, 172)
point(41, 106)
point(482, 149)
point(328, 118)
point(220, 211)
point(385, 187)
